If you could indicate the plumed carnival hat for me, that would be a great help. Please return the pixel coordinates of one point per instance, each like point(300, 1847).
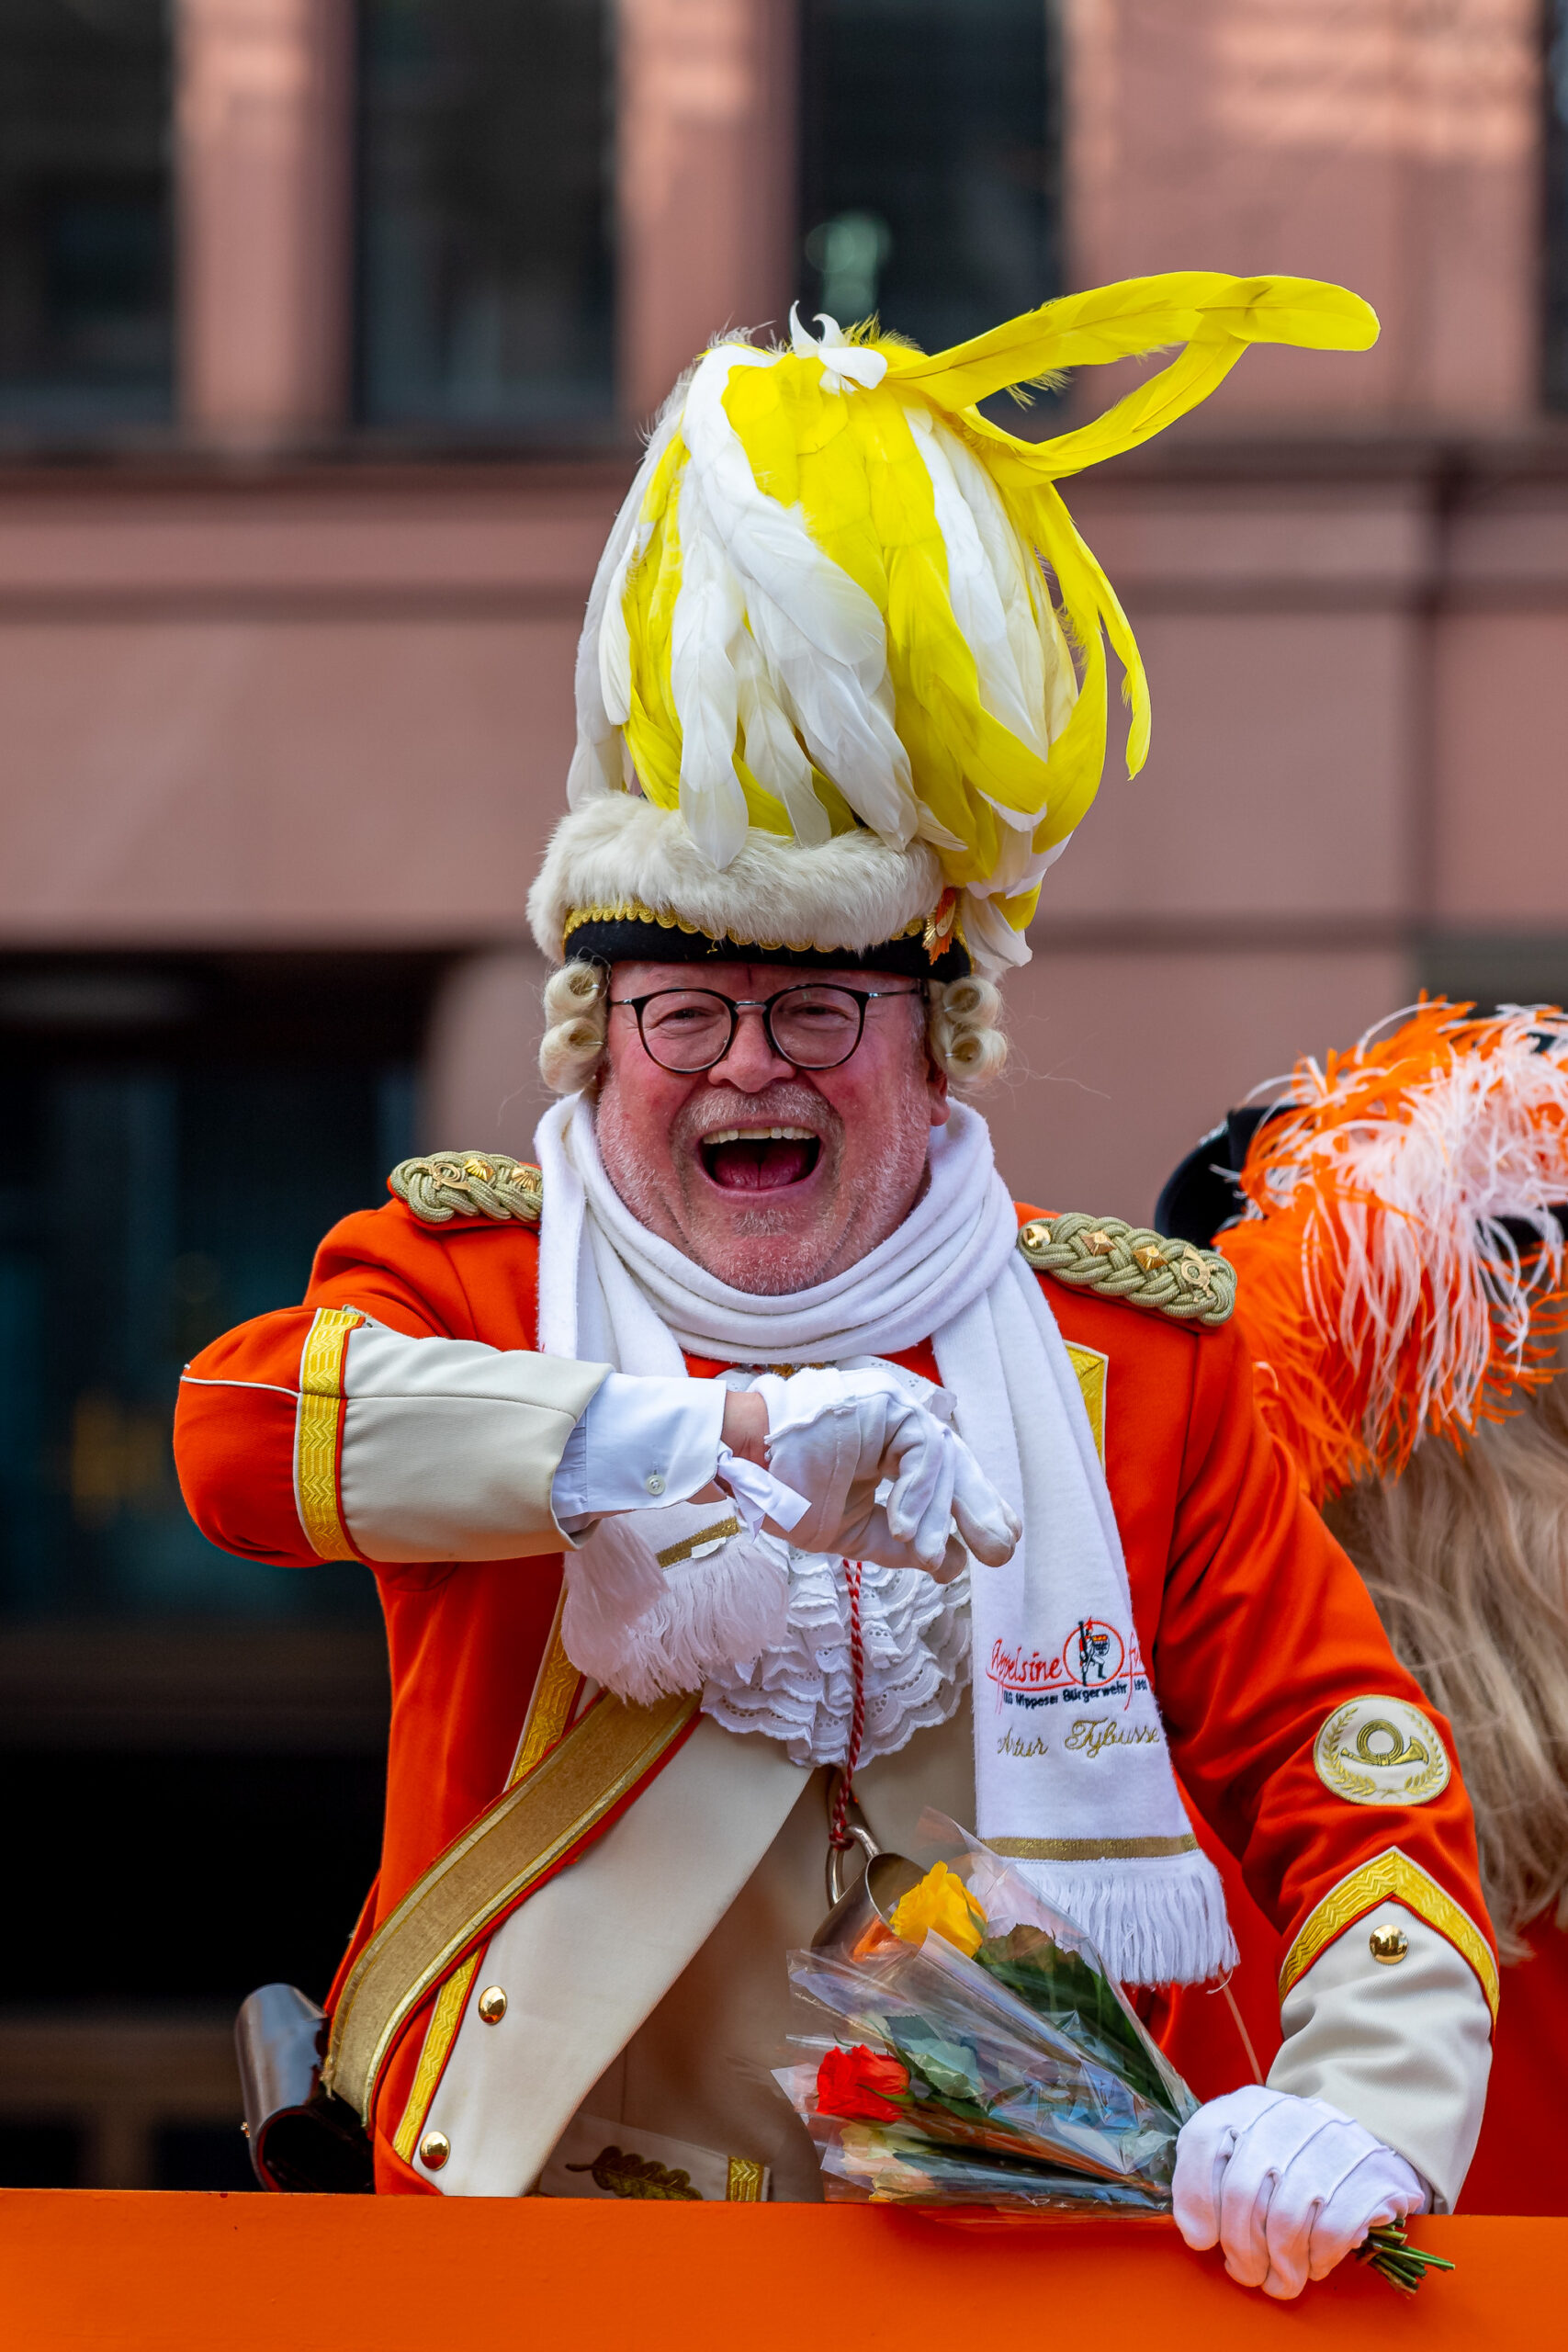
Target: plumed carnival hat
point(842, 689)
point(1400, 1234)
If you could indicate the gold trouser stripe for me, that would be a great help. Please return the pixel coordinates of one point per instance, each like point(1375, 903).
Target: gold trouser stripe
point(1392, 1873)
point(744, 2186)
point(495, 1863)
point(554, 1688)
point(440, 2034)
point(320, 1409)
point(720, 1532)
point(1090, 1849)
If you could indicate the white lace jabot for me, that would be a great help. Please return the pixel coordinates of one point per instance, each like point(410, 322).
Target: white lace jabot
point(915, 1636)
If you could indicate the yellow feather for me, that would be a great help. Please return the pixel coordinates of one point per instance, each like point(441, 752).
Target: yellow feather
point(845, 464)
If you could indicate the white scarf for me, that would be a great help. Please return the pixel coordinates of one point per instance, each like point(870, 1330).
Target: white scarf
point(1072, 1774)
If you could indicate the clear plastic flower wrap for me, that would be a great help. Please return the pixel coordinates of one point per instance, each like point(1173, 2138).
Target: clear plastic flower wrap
point(984, 2053)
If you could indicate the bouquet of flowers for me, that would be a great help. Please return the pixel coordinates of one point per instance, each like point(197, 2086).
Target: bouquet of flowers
point(983, 2056)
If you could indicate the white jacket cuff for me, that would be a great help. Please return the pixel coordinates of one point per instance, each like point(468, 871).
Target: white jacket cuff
point(1405, 2049)
point(449, 1449)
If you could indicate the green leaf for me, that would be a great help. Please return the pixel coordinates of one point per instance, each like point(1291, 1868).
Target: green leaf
point(1063, 1988)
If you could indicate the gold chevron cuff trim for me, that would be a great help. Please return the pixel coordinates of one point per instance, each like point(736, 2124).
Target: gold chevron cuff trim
point(1392, 1873)
point(316, 1433)
point(495, 1864)
point(440, 2034)
point(744, 2184)
point(1090, 1849)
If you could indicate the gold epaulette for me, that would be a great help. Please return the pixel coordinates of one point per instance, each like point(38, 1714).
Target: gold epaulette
point(469, 1183)
point(1129, 1262)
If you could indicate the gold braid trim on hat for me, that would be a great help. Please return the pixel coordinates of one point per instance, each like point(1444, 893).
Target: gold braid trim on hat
point(633, 910)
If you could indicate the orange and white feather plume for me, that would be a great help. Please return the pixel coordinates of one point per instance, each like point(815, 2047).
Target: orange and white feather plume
point(1401, 1272)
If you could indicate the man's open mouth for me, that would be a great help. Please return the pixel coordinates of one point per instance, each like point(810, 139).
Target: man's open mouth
point(760, 1159)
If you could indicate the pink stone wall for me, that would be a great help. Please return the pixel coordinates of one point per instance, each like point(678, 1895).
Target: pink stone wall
point(1387, 145)
point(275, 704)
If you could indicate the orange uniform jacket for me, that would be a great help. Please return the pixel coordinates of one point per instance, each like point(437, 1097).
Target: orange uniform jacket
point(1255, 1626)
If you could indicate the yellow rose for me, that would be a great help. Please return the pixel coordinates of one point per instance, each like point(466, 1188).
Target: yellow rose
point(942, 1903)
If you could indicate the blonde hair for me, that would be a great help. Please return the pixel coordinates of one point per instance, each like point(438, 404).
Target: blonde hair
point(577, 1020)
point(962, 1028)
point(1466, 1556)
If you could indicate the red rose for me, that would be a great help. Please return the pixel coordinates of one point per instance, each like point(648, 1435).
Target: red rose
point(860, 2085)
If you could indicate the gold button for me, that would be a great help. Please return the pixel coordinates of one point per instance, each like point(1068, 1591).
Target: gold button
point(492, 2004)
point(1100, 1244)
point(1036, 1234)
point(1389, 1945)
point(1149, 1257)
point(433, 2150)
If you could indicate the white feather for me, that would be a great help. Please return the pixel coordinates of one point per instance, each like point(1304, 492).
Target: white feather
point(821, 636)
point(1485, 1137)
point(615, 637)
point(772, 750)
point(978, 605)
point(707, 619)
point(993, 942)
point(602, 679)
point(1039, 653)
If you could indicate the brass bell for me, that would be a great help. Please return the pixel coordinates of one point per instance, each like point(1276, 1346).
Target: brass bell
point(433, 2151)
point(491, 2003)
point(1389, 1945)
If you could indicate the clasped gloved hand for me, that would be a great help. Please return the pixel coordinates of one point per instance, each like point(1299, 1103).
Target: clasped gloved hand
point(836, 1437)
point(1287, 2187)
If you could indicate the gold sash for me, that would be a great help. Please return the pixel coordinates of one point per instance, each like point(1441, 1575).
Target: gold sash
point(496, 1862)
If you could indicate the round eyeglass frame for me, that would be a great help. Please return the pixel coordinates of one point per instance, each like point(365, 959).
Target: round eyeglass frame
point(735, 1006)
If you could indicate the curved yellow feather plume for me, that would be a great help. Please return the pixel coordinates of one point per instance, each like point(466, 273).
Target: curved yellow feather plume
point(899, 627)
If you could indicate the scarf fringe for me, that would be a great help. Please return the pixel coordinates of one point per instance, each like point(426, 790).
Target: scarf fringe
point(645, 1632)
point(1162, 1922)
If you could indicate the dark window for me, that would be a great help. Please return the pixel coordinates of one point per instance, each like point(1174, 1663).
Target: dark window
point(485, 289)
point(1556, 288)
point(178, 1137)
point(930, 157)
point(86, 304)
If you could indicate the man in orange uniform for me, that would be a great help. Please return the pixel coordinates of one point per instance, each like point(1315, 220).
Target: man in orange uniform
point(756, 1434)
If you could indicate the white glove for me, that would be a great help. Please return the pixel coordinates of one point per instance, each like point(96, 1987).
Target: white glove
point(836, 1436)
point(1286, 2186)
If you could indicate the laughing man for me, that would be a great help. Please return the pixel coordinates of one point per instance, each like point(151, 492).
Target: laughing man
point(757, 1436)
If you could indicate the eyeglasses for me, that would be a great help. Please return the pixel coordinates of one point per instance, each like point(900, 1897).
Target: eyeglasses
point(816, 1026)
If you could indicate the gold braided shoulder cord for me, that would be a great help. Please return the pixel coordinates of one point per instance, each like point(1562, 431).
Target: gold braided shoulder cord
point(1391, 1873)
point(1132, 1263)
point(469, 1183)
